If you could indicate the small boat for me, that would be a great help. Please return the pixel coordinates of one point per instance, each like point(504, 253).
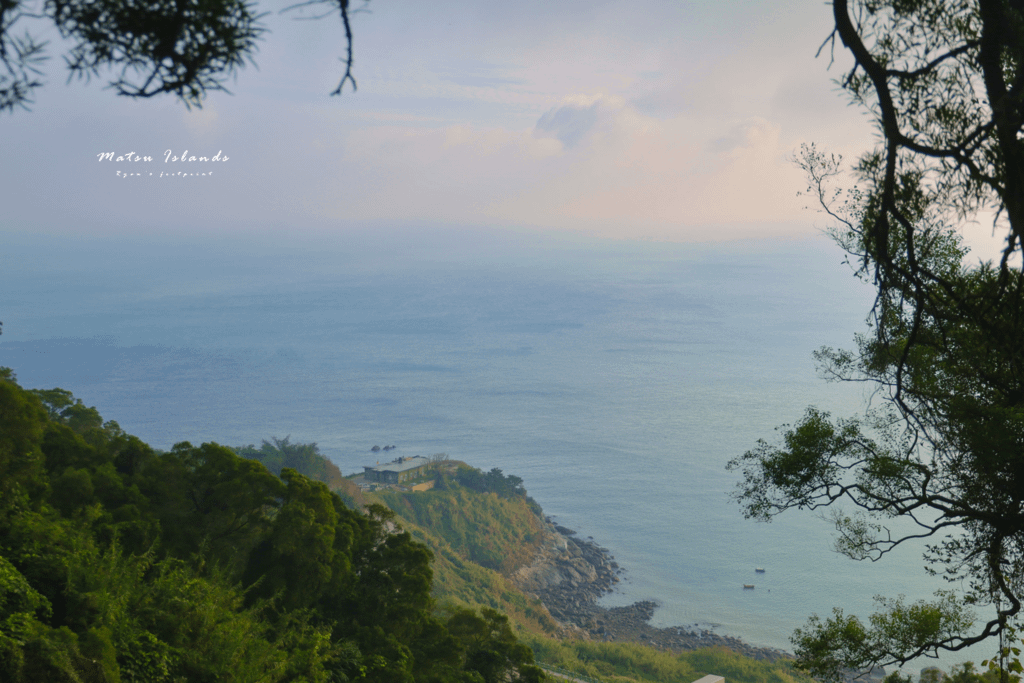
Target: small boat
point(759, 570)
point(748, 586)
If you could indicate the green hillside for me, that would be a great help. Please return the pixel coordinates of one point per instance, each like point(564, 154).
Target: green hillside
point(500, 526)
point(493, 531)
point(477, 540)
point(119, 563)
point(635, 663)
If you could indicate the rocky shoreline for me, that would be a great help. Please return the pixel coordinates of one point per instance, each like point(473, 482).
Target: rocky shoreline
point(569, 574)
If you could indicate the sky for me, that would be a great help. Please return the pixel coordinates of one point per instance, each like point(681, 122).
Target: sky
point(641, 120)
point(651, 120)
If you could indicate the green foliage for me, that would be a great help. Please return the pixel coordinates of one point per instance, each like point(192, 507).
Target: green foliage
point(506, 486)
point(897, 677)
point(966, 673)
point(459, 581)
point(1006, 666)
point(490, 648)
point(16, 594)
point(494, 481)
point(843, 642)
point(121, 564)
point(303, 458)
point(631, 662)
point(499, 533)
point(208, 497)
point(299, 556)
point(118, 563)
point(21, 463)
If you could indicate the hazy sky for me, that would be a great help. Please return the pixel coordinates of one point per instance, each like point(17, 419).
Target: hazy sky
point(649, 119)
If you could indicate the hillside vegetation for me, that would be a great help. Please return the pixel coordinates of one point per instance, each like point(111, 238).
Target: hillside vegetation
point(481, 527)
point(121, 564)
point(302, 457)
point(471, 516)
point(499, 532)
point(634, 663)
point(477, 539)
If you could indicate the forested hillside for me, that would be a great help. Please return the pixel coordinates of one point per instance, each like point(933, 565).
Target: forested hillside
point(482, 527)
point(478, 539)
point(120, 563)
point(499, 532)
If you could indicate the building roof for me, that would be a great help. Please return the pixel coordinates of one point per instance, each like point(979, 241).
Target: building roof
point(400, 464)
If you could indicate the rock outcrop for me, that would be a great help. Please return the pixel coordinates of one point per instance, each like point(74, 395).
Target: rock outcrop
point(569, 574)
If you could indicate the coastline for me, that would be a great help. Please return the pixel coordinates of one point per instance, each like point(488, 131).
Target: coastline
point(569, 574)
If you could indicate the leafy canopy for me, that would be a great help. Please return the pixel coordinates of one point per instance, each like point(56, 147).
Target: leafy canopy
point(118, 563)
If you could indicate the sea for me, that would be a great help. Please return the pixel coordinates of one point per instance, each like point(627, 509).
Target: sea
point(616, 378)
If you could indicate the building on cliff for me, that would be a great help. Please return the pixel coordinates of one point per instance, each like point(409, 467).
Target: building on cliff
point(397, 471)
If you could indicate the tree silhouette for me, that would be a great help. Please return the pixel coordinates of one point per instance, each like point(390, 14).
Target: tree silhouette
point(182, 47)
point(941, 445)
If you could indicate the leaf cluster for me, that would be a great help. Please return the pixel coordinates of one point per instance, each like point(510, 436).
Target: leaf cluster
point(506, 486)
point(305, 458)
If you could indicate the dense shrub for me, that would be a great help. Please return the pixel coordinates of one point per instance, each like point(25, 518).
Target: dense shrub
point(119, 563)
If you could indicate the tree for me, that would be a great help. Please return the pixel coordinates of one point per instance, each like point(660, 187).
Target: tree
point(208, 498)
point(941, 446)
point(121, 563)
point(490, 647)
point(304, 457)
point(183, 47)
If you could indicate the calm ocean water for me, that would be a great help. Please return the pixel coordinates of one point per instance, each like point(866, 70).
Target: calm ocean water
point(615, 378)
